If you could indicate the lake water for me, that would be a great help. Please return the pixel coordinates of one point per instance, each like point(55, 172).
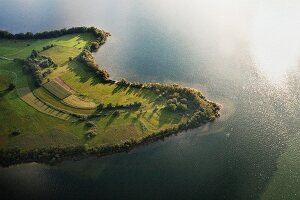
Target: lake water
point(242, 54)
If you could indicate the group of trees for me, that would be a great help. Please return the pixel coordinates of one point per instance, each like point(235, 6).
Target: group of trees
point(108, 149)
point(88, 59)
point(101, 37)
point(15, 133)
point(90, 134)
point(188, 97)
point(55, 154)
point(86, 55)
point(48, 47)
point(34, 65)
point(99, 34)
point(11, 86)
point(176, 103)
point(31, 67)
point(46, 155)
point(110, 106)
point(124, 82)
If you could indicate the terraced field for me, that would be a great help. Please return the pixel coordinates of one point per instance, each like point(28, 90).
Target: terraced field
point(76, 102)
point(59, 104)
point(27, 96)
point(57, 89)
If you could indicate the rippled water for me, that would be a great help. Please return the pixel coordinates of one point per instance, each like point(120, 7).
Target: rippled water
point(242, 54)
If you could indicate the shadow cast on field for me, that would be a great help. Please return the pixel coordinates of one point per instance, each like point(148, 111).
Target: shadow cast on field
point(119, 88)
point(4, 92)
point(83, 72)
point(166, 118)
point(111, 120)
point(141, 93)
point(80, 37)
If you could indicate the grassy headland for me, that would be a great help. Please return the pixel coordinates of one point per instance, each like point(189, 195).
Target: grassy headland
point(64, 104)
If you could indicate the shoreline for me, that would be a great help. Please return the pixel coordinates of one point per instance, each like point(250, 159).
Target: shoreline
point(53, 155)
point(82, 153)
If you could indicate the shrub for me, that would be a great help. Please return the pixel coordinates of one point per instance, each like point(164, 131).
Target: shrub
point(171, 107)
point(124, 82)
point(34, 54)
point(173, 100)
point(47, 71)
point(182, 107)
point(48, 47)
point(38, 77)
point(90, 134)
point(184, 100)
point(11, 86)
point(109, 106)
point(103, 74)
point(100, 107)
point(15, 133)
point(90, 124)
point(94, 46)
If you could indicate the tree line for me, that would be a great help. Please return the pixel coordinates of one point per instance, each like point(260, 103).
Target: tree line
point(88, 59)
point(110, 106)
point(55, 33)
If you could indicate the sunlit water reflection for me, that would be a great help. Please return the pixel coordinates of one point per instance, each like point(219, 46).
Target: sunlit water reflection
point(276, 38)
point(243, 54)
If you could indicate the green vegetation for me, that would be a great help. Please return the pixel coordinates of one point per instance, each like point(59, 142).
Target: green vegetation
point(58, 101)
point(6, 81)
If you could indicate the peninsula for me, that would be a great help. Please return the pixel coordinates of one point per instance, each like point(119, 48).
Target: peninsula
point(56, 102)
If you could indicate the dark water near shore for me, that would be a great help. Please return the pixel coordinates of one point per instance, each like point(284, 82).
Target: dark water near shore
point(242, 54)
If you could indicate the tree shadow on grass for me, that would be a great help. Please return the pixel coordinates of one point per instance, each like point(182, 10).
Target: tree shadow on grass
point(83, 72)
point(127, 115)
point(119, 88)
point(111, 120)
point(152, 113)
point(80, 37)
point(166, 117)
point(2, 94)
point(143, 93)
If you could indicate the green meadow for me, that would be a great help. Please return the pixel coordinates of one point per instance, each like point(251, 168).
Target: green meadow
point(44, 120)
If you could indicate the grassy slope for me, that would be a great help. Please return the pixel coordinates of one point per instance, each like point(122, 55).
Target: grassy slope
point(40, 130)
point(5, 80)
point(23, 48)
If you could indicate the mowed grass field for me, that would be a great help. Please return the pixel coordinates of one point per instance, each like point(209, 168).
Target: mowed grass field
point(23, 48)
point(38, 124)
point(61, 54)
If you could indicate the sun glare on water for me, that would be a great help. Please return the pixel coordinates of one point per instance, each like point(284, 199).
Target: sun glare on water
point(276, 39)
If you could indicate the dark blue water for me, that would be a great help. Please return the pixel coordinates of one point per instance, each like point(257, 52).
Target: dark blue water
point(242, 54)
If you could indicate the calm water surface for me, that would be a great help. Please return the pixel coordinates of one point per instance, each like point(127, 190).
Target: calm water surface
point(242, 54)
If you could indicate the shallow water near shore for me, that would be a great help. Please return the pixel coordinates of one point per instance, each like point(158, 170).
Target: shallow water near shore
point(241, 54)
